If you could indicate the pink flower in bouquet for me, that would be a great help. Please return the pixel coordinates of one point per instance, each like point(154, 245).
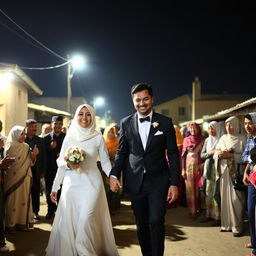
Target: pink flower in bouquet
point(74, 155)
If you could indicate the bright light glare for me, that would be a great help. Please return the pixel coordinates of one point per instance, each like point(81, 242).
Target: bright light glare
point(205, 126)
point(99, 101)
point(78, 62)
point(8, 76)
point(5, 78)
point(103, 123)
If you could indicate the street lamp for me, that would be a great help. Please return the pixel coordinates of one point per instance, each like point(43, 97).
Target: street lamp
point(77, 62)
point(99, 101)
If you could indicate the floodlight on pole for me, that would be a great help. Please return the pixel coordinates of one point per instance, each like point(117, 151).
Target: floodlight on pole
point(77, 62)
point(99, 101)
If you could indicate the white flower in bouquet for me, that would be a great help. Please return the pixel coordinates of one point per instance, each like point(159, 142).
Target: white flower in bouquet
point(74, 155)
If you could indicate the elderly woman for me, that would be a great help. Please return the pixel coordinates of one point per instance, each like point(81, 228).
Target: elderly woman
point(227, 157)
point(19, 213)
point(192, 167)
point(209, 174)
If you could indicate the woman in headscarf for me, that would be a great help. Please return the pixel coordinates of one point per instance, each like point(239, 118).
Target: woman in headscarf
point(18, 181)
point(111, 139)
point(82, 224)
point(192, 167)
point(209, 174)
point(228, 155)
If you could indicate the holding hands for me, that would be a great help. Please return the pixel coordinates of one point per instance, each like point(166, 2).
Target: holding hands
point(115, 184)
point(53, 196)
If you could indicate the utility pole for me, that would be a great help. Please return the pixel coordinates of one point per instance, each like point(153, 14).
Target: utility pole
point(69, 92)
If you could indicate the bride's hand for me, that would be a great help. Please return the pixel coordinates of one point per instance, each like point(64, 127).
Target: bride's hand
point(73, 166)
point(53, 196)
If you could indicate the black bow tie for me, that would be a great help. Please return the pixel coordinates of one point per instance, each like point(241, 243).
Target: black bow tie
point(142, 119)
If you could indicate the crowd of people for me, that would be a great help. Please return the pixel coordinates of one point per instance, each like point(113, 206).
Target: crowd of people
point(147, 157)
point(217, 170)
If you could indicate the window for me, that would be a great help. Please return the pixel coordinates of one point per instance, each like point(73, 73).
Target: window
point(181, 111)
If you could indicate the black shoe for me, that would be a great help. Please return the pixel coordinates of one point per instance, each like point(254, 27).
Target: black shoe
point(237, 234)
point(216, 223)
point(49, 216)
point(36, 216)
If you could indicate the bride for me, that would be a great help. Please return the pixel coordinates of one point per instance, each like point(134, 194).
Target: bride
point(82, 224)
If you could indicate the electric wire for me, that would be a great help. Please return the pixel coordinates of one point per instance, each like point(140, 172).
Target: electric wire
point(20, 36)
point(32, 37)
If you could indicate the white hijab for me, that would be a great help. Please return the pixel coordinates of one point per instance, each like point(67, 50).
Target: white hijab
point(79, 133)
point(232, 141)
point(13, 136)
point(213, 140)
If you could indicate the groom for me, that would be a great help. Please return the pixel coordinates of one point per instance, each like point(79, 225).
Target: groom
point(146, 138)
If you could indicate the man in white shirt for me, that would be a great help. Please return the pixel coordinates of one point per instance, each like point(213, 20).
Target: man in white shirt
point(146, 140)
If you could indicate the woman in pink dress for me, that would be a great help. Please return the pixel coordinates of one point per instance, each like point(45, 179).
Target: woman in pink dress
point(192, 167)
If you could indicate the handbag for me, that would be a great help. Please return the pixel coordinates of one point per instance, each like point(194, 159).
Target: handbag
point(238, 181)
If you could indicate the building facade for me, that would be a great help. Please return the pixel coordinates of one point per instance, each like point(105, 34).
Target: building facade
point(196, 105)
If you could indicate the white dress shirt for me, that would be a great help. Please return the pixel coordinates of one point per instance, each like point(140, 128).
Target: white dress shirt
point(144, 128)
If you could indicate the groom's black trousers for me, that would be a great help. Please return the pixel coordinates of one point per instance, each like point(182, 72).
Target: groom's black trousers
point(149, 207)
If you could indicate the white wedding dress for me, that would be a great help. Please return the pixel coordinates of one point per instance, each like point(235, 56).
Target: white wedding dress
point(82, 224)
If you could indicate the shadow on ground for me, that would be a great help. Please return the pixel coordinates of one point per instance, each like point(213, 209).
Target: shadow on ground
point(28, 243)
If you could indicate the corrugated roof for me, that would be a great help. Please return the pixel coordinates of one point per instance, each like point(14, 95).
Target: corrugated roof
point(225, 112)
point(47, 109)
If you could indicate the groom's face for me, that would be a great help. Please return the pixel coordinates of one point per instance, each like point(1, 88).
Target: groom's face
point(142, 102)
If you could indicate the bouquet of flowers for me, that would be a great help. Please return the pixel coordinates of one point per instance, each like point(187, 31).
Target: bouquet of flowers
point(74, 155)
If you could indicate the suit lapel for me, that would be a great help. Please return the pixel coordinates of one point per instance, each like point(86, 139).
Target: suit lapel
point(136, 130)
point(151, 131)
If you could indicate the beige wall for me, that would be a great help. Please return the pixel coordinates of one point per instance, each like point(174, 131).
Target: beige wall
point(173, 107)
point(203, 108)
point(13, 105)
point(211, 107)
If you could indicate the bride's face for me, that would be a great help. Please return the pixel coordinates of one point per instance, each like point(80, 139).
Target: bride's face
point(84, 118)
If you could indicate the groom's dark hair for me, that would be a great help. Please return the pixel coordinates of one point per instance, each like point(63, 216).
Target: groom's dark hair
point(141, 87)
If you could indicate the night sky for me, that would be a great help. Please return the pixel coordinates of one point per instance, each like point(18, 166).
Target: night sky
point(125, 44)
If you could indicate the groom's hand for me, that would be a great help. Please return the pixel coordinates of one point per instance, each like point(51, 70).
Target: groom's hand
point(172, 194)
point(114, 184)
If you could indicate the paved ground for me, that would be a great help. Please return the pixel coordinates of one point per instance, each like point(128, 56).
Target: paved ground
point(183, 236)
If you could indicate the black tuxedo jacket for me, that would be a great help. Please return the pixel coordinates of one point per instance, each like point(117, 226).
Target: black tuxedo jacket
point(39, 167)
point(132, 159)
point(52, 154)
